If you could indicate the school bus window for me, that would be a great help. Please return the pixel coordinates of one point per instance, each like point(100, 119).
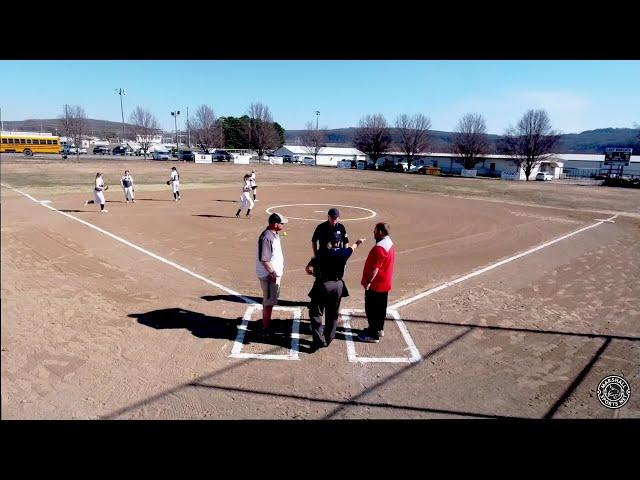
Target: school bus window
point(5, 140)
point(10, 140)
point(55, 142)
point(22, 140)
point(49, 142)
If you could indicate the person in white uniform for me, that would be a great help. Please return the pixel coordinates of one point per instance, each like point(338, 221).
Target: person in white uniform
point(174, 181)
point(245, 197)
point(98, 193)
point(254, 185)
point(127, 185)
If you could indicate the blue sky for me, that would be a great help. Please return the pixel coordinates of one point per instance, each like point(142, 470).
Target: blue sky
point(578, 95)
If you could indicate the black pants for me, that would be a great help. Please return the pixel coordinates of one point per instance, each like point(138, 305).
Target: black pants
point(375, 306)
point(325, 301)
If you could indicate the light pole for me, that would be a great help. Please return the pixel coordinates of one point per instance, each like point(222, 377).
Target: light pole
point(175, 120)
point(188, 129)
point(121, 92)
point(317, 118)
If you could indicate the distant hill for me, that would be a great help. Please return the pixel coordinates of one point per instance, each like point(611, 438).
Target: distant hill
point(590, 141)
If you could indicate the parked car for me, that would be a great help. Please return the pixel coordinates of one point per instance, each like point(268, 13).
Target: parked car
point(187, 156)
point(120, 150)
point(544, 176)
point(101, 150)
point(222, 156)
point(161, 155)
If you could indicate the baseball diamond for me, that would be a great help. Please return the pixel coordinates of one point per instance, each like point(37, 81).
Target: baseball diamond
point(510, 300)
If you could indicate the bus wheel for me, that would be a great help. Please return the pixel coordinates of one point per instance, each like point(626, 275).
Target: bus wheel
point(27, 152)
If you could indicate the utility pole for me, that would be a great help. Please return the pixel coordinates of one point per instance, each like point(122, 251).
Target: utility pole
point(175, 120)
point(121, 92)
point(188, 128)
point(317, 118)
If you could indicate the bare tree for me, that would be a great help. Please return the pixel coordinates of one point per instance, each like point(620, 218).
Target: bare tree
point(313, 140)
point(74, 124)
point(259, 129)
point(531, 141)
point(414, 135)
point(470, 139)
point(145, 126)
point(373, 136)
point(207, 129)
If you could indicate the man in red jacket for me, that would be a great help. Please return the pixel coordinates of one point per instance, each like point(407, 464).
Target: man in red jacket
point(376, 279)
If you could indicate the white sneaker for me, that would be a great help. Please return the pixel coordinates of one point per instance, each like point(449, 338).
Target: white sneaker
point(104, 211)
point(86, 202)
point(133, 201)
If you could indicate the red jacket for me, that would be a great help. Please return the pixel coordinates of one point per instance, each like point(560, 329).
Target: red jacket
point(382, 256)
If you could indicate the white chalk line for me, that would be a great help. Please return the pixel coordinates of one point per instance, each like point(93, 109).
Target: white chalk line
point(414, 353)
point(373, 213)
point(140, 249)
point(238, 344)
point(431, 291)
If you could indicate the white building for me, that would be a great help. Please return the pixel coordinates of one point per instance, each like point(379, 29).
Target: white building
point(559, 164)
point(327, 156)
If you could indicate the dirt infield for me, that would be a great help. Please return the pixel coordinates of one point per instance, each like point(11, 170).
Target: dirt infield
point(93, 327)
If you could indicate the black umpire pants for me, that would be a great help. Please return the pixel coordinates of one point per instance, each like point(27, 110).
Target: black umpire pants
point(325, 302)
point(375, 306)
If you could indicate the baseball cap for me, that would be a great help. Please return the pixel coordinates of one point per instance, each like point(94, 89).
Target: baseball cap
point(333, 212)
point(277, 218)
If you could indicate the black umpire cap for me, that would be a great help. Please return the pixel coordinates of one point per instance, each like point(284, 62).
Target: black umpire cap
point(333, 212)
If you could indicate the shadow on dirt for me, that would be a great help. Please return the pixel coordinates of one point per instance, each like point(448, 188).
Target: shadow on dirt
point(233, 298)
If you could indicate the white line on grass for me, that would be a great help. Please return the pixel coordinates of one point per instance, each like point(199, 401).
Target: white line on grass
point(140, 249)
point(406, 302)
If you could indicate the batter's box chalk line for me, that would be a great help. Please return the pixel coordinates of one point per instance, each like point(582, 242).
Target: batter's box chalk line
point(237, 352)
point(413, 353)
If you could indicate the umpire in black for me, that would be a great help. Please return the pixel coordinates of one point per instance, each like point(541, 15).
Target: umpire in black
point(328, 230)
point(328, 288)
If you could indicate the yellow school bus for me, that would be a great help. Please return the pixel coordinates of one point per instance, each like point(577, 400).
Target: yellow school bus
point(29, 143)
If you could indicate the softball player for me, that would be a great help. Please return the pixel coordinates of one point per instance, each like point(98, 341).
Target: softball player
point(174, 181)
point(245, 198)
point(254, 185)
point(127, 185)
point(98, 193)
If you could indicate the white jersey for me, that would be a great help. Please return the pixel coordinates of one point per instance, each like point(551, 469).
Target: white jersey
point(99, 184)
point(174, 176)
point(126, 181)
point(252, 180)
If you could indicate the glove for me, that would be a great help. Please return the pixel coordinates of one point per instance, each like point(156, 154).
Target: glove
point(106, 187)
point(168, 182)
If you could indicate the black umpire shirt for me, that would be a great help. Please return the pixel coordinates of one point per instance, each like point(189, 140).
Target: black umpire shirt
point(325, 232)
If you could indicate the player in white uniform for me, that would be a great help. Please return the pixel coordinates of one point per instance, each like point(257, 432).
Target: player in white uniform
point(98, 193)
point(245, 197)
point(127, 185)
point(254, 185)
point(174, 181)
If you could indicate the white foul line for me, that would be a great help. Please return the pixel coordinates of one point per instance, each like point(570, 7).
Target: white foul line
point(140, 249)
point(414, 354)
point(237, 352)
point(406, 302)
